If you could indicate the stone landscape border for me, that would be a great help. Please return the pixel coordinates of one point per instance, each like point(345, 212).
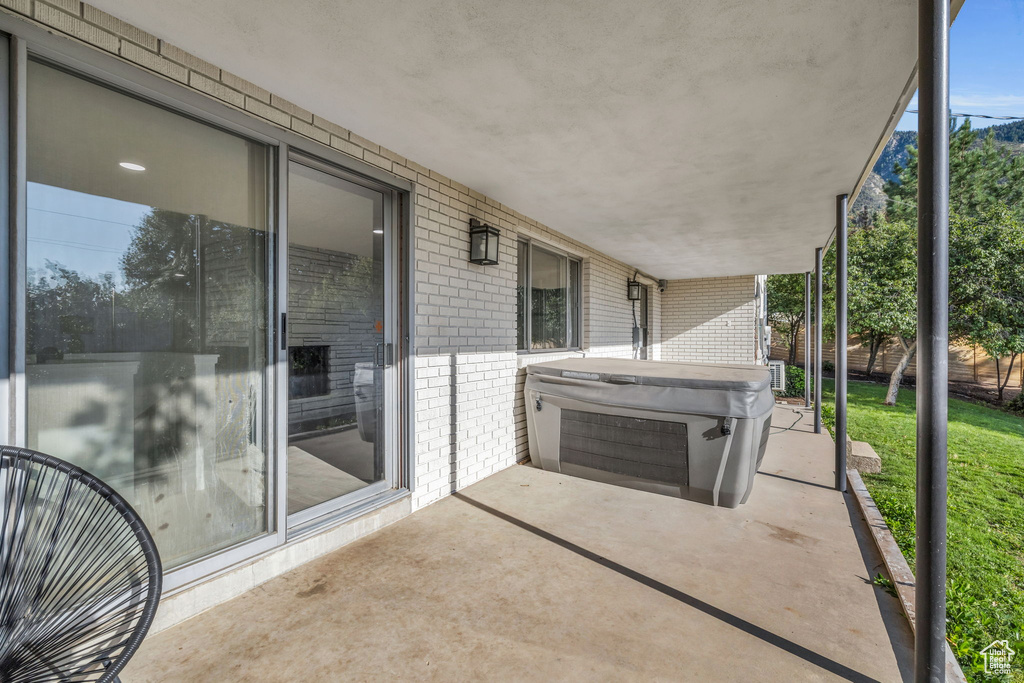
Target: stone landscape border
point(895, 564)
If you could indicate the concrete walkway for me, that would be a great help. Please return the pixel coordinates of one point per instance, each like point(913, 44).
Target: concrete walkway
point(530, 575)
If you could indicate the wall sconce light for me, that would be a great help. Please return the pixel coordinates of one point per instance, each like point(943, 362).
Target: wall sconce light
point(483, 243)
point(632, 289)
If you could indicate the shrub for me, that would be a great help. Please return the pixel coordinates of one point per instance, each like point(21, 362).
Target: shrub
point(1016, 404)
point(828, 416)
point(794, 382)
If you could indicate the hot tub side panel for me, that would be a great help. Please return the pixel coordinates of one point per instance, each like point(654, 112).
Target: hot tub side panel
point(704, 458)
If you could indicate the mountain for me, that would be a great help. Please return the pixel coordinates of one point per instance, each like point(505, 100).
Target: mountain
point(1010, 132)
point(894, 151)
point(872, 197)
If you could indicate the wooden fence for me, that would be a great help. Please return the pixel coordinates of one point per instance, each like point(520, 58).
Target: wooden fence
point(969, 365)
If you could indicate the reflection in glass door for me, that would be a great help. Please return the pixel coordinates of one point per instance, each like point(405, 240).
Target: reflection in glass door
point(146, 309)
point(337, 325)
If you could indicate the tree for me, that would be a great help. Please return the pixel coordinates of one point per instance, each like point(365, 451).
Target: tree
point(874, 340)
point(194, 281)
point(863, 319)
point(987, 300)
point(63, 307)
point(882, 289)
point(864, 218)
point(982, 177)
point(986, 198)
point(786, 308)
point(161, 271)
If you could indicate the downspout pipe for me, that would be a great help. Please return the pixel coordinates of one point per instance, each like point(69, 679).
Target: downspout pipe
point(932, 338)
point(818, 285)
point(841, 337)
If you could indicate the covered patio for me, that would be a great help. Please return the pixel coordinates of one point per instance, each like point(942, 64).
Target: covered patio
point(532, 575)
point(682, 148)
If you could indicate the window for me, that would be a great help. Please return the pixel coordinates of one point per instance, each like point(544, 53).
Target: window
point(146, 308)
point(548, 294)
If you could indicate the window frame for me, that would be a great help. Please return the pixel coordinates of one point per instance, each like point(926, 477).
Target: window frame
point(572, 322)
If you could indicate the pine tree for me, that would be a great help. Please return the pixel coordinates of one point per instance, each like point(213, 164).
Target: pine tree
point(982, 177)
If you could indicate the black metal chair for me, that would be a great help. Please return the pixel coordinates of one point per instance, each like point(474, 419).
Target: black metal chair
point(80, 576)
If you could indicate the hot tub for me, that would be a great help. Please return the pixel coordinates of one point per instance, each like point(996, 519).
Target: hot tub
point(691, 430)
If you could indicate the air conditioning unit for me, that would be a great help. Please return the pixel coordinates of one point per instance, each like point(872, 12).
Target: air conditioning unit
point(777, 368)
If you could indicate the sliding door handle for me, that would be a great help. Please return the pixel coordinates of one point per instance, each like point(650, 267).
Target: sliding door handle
point(383, 355)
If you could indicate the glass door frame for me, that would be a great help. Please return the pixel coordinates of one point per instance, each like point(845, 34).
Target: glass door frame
point(303, 521)
point(25, 40)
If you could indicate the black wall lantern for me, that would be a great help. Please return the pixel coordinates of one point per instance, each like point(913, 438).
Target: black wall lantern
point(633, 289)
point(483, 243)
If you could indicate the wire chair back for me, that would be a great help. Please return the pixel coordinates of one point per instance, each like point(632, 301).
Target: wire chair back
point(80, 576)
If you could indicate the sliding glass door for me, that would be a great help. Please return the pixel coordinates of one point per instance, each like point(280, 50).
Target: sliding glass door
point(208, 321)
point(339, 334)
point(146, 308)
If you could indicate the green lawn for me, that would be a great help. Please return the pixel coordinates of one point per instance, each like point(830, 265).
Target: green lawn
point(986, 511)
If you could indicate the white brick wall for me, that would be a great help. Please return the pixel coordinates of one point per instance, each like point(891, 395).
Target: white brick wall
point(710, 320)
point(470, 418)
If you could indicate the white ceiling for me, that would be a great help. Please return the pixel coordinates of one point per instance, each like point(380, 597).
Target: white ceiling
point(686, 138)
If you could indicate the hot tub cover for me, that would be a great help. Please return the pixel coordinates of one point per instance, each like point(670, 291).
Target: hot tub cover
point(740, 391)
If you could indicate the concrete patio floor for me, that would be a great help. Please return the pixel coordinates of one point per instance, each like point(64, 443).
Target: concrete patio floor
point(531, 575)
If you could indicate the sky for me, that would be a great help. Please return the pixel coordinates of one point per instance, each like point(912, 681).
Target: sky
point(986, 62)
point(80, 231)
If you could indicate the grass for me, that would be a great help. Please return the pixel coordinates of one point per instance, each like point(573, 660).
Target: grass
point(985, 564)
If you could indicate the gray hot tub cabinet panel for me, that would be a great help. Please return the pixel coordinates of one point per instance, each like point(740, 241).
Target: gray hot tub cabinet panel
point(695, 431)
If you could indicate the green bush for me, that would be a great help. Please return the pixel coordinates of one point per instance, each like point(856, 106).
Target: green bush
point(828, 416)
point(1016, 404)
point(794, 382)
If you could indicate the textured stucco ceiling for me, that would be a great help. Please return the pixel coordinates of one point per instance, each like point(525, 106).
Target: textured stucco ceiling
point(688, 139)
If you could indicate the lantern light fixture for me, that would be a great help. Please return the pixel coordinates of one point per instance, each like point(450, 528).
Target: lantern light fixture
point(632, 289)
point(483, 243)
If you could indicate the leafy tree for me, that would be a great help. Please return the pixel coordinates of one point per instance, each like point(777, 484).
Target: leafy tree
point(870, 325)
point(786, 307)
point(864, 218)
point(882, 289)
point(196, 278)
point(987, 290)
point(62, 306)
point(986, 197)
point(161, 270)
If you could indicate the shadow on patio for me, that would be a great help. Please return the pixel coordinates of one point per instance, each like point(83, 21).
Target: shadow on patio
point(534, 575)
